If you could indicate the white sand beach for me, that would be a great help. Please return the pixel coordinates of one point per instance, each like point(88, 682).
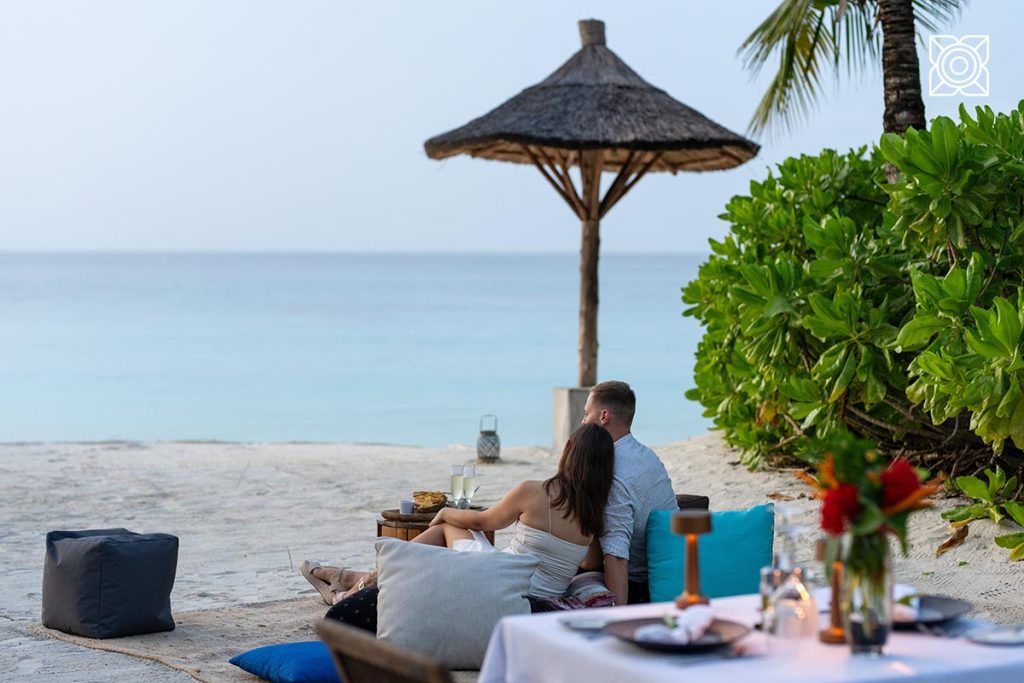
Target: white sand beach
point(248, 514)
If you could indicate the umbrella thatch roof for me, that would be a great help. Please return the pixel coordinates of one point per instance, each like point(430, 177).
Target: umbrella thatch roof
point(595, 101)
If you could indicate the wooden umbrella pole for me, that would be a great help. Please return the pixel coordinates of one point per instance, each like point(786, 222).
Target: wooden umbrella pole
point(591, 162)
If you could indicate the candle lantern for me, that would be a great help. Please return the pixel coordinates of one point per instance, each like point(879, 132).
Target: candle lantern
point(833, 634)
point(691, 523)
point(488, 445)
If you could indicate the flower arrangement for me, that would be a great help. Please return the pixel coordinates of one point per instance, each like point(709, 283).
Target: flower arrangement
point(863, 493)
point(865, 498)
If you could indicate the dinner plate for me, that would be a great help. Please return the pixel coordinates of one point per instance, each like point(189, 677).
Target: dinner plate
point(719, 634)
point(934, 609)
point(998, 635)
point(585, 623)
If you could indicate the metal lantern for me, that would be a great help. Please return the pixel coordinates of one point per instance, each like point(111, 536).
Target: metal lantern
point(488, 445)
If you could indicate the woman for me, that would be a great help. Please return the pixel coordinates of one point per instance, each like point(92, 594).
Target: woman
point(554, 519)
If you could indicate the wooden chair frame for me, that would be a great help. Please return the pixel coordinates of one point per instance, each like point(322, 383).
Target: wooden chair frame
point(361, 658)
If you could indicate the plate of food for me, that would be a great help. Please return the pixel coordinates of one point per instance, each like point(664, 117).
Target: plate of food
point(719, 634)
point(927, 610)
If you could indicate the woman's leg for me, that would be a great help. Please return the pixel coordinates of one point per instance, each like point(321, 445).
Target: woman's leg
point(442, 535)
point(432, 536)
point(454, 533)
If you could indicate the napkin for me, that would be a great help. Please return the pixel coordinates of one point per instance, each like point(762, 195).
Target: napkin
point(908, 609)
point(690, 626)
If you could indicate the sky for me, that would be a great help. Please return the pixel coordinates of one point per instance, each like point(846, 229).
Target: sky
point(258, 125)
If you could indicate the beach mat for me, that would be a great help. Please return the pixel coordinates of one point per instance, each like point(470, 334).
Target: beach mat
point(205, 640)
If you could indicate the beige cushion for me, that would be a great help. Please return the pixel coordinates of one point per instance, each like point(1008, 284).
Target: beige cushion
point(445, 604)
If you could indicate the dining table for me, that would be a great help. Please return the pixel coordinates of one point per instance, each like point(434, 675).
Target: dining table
point(538, 648)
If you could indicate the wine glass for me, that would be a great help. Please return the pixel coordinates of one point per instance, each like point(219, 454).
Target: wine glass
point(468, 483)
point(457, 479)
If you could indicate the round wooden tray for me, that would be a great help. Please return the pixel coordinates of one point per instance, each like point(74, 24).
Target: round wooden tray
point(396, 516)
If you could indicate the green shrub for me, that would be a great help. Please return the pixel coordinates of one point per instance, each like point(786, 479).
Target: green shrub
point(896, 311)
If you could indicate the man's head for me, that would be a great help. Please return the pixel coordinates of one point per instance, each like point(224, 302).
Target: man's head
point(611, 405)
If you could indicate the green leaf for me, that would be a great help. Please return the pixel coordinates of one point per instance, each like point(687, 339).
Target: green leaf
point(965, 513)
point(870, 521)
point(1010, 540)
point(996, 480)
point(1017, 553)
point(973, 487)
point(945, 142)
point(1015, 510)
point(919, 331)
point(844, 379)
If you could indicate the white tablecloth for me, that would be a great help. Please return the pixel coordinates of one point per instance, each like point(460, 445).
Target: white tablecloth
point(537, 649)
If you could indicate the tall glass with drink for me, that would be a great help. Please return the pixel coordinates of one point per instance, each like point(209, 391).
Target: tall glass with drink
point(457, 484)
point(468, 483)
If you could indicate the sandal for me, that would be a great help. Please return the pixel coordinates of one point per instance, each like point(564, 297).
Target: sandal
point(322, 587)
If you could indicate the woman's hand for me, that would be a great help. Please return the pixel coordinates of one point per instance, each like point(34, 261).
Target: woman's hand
point(439, 518)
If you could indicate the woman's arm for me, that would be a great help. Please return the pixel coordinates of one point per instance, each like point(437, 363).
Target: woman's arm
point(504, 512)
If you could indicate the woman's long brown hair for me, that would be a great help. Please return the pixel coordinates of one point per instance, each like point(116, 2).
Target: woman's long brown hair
point(584, 477)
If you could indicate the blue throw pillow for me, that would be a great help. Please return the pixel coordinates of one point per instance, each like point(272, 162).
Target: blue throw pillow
point(307, 662)
point(740, 543)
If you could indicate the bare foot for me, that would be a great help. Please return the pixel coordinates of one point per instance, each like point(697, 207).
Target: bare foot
point(338, 578)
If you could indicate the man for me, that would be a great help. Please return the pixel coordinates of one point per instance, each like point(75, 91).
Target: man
point(640, 486)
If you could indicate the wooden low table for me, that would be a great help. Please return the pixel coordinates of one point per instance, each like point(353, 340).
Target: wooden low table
point(393, 524)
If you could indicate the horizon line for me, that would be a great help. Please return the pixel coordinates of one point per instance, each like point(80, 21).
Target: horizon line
point(320, 252)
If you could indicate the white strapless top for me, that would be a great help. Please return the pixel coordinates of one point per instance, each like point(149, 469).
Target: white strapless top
point(559, 559)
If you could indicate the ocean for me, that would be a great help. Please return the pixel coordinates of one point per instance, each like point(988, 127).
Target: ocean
point(356, 348)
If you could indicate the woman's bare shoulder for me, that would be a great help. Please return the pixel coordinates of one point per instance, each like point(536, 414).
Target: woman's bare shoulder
point(531, 488)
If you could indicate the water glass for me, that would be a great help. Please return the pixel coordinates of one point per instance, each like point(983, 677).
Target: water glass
point(792, 619)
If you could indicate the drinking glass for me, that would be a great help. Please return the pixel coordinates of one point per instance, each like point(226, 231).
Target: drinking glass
point(468, 483)
point(792, 618)
point(456, 484)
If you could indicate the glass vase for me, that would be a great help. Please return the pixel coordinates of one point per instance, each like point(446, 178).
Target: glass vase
point(867, 592)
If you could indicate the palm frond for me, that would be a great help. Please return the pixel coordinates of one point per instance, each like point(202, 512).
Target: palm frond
point(799, 34)
point(935, 14)
point(805, 36)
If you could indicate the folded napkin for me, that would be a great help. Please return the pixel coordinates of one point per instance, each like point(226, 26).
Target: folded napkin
point(690, 625)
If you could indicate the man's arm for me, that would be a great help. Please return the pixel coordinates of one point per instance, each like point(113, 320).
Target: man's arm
point(615, 541)
point(616, 577)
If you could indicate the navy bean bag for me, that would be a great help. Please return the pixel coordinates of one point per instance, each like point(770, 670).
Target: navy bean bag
point(106, 583)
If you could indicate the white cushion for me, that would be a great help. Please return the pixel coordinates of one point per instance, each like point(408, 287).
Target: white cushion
point(445, 604)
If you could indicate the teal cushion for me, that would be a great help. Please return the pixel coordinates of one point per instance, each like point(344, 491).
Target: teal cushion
point(305, 662)
point(740, 543)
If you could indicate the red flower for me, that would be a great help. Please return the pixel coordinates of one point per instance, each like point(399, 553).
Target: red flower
point(839, 506)
point(899, 480)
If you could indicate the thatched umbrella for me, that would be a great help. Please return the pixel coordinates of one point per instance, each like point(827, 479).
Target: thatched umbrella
point(595, 113)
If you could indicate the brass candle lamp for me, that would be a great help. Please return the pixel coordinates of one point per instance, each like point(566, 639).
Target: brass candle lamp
point(691, 523)
point(834, 634)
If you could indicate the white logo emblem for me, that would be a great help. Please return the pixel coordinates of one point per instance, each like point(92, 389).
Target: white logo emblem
point(959, 66)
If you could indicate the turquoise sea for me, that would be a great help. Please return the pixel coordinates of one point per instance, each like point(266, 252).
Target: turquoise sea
point(392, 348)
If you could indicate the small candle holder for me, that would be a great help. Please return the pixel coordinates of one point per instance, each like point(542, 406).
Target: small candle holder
point(691, 523)
point(834, 633)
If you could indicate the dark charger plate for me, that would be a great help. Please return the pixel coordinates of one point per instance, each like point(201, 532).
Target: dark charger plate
point(934, 609)
point(720, 634)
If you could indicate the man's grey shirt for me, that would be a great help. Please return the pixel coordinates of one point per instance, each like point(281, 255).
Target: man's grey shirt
point(639, 487)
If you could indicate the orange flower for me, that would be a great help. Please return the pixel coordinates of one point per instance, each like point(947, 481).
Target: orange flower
point(827, 472)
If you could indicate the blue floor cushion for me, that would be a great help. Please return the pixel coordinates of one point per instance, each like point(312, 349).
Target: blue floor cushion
point(306, 662)
point(740, 543)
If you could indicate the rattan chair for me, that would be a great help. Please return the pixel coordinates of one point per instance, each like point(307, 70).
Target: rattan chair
point(361, 658)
